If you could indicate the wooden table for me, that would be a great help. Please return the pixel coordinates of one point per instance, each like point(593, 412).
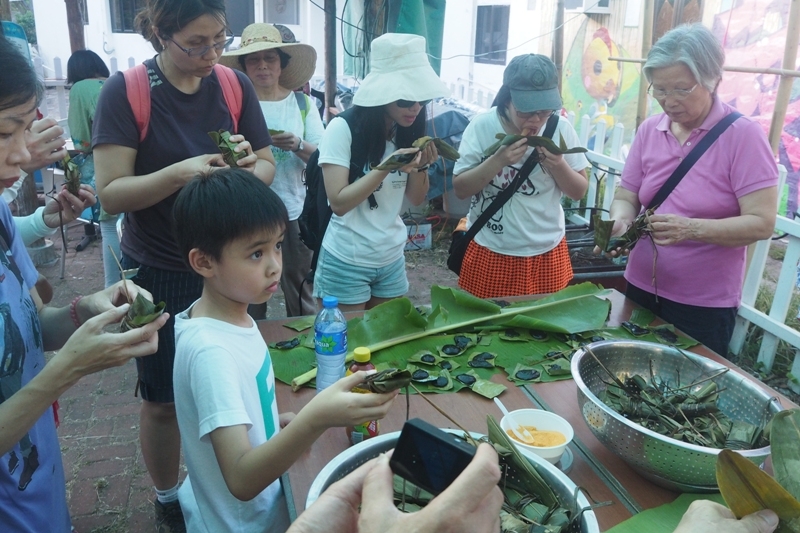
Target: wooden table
point(595, 468)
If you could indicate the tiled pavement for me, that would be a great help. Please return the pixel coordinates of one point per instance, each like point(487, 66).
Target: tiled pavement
point(108, 487)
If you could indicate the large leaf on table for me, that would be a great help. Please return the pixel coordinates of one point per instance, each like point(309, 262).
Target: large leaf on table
point(453, 306)
point(575, 309)
point(785, 440)
point(390, 320)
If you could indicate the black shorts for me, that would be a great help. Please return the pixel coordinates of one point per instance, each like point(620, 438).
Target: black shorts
point(179, 290)
point(711, 326)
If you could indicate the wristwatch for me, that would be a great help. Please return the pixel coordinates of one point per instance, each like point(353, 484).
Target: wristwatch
point(299, 146)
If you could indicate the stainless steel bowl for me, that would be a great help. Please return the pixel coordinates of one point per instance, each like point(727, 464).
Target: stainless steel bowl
point(355, 456)
point(665, 461)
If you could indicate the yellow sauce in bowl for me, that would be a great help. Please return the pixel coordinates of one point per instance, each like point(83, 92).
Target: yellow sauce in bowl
point(542, 439)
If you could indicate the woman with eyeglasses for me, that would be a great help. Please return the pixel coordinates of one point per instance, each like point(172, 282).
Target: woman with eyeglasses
point(143, 178)
point(689, 270)
point(276, 70)
point(522, 249)
point(361, 260)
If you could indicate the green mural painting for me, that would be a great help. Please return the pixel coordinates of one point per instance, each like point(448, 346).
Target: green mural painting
point(593, 85)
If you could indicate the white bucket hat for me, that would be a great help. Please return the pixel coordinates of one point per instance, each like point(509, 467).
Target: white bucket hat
point(399, 70)
point(261, 36)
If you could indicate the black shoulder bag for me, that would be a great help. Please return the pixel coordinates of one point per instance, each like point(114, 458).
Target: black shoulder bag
point(699, 149)
point(458, 246)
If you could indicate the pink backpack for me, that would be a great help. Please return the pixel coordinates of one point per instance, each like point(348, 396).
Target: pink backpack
point(137, 84)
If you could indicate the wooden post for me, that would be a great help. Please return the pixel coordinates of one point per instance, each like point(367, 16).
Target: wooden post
point(647, 43)
point(558, 41)
point(75, 26)
point(785, 85)
point(5, 11)
point(330, 57)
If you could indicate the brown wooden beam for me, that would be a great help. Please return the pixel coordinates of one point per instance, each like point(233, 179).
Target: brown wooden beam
point(77, 41)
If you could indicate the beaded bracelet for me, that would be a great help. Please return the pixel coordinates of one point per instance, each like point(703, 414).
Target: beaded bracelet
point(73, 311)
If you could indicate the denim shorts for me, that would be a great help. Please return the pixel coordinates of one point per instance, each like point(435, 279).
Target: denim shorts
point(353, 284)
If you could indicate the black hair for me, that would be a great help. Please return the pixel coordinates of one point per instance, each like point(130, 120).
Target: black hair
point(501, 101)
point(216, 208)
point(370, 124)
point(85, 64)
point(164, 18)
point(18, 83)
point(283, 56)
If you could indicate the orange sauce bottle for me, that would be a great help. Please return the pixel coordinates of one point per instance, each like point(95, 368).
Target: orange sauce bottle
point(367, 430)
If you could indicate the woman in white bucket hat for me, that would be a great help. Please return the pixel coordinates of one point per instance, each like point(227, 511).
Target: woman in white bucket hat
point(361, 259)
point(276, 68)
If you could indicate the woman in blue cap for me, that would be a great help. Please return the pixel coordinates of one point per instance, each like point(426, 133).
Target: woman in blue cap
point(522, 249)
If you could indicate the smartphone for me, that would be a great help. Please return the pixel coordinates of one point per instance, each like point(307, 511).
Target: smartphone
point(429, 457)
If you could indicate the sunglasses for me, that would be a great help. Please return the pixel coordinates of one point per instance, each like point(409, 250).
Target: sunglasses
point(405, 104)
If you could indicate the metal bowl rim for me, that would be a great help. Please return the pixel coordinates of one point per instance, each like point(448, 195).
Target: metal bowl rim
point(315, 490)
point(583, 388)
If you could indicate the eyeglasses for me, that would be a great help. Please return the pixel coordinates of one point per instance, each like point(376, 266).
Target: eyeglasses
point(203, 50)
point(677, 94)
point(405, 104)
point(541, 115)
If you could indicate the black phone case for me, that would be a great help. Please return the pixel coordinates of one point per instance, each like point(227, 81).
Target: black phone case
point(429, 457)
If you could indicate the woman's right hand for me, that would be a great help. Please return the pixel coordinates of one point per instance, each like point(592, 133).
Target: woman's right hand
point(337, 406)
point(619, 227)
point(201, 164)
point(92, 349)
point(413, 165)
point(511, 154)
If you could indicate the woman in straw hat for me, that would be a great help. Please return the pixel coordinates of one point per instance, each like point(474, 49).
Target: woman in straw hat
point(143, 178)
point(276, 68)
point(361, 260)
point(522, 249)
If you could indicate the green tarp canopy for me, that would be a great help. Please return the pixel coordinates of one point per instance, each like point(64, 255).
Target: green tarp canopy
point(420, 17)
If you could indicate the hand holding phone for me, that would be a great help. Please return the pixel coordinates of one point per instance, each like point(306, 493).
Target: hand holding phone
point(429, 457)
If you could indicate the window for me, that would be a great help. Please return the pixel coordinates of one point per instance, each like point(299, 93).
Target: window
point(491, 38)
point(123, 12)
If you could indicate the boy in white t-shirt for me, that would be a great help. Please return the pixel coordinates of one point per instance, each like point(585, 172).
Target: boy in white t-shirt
point(230, 226)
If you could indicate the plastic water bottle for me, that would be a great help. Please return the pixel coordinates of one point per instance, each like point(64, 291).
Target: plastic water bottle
point(330, 343)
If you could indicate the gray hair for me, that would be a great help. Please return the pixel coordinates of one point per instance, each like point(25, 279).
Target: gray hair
point(692, 45)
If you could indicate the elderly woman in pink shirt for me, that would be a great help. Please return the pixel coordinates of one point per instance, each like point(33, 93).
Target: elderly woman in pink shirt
point(690, 270)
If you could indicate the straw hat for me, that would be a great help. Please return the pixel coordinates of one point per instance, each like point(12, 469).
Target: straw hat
point(258, 37)
point(399, 70)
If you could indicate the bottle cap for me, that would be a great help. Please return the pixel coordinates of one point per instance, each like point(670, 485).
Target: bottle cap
point(361, 354)
point(329, 302)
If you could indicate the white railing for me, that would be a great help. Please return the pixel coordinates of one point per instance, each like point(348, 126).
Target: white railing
point(773, 323)
point(56, 78)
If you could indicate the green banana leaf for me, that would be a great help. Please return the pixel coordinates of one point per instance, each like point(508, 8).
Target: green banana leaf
point(785, 441)
point(141, 312)
point(275, 132)
point(301, 324)
point(223, 140)
point(576, 308)
point(533, 140)
point(529, 479)
point(72, 175)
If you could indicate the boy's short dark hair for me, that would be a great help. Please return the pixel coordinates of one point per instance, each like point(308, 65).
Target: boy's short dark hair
point(218, 207)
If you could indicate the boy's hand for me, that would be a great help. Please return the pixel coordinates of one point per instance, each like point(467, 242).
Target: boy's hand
point(336, 406)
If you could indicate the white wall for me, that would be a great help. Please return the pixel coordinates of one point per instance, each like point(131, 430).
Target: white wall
point(53, 36)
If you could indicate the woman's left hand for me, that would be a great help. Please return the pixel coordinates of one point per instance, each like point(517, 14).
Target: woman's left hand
point(671, 229)
point(247, 162)
point(109, 298)
point(69, 205)
point(549, 161)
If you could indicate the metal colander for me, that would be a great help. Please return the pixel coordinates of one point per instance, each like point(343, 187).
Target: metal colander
point(355, 456)
point(665, 461)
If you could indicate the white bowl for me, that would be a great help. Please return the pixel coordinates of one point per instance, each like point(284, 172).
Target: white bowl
point(543, 421)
